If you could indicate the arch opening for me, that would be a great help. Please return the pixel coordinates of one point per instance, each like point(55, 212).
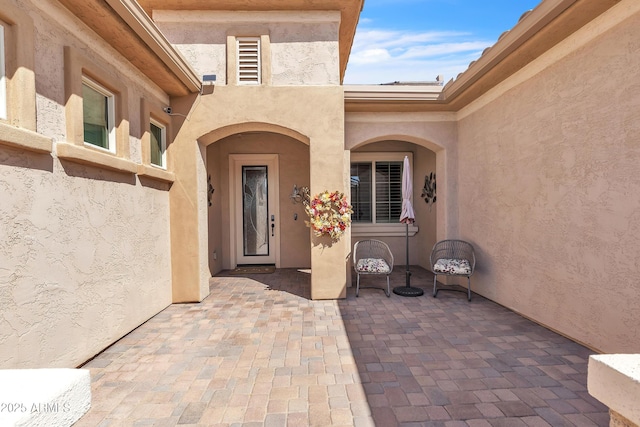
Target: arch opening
point(381, 157)
point(235, 157)
point(251, 128)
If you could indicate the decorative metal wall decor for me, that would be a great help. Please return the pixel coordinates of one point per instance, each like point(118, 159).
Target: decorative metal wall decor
point(300, 195)
point(210, 190)
point(429, 190)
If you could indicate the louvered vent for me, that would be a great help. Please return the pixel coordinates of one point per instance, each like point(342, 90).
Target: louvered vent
point(248, 61)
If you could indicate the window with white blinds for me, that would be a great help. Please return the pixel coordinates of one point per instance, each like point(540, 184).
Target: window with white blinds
point(376, 192)
point(376, 187)
point(248, 60)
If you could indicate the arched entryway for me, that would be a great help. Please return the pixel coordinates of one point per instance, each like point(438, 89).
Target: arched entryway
point(252, 218)
point(426, 132)
point(377, 165)
point(313, 117)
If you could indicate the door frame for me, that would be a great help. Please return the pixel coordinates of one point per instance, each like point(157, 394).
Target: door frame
point(236, 161)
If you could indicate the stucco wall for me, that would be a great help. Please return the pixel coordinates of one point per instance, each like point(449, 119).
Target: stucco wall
point(305, 54)
point(549, 189)
point(84, 252)
point(303, 45)
point(203, 45)
point(293, 158)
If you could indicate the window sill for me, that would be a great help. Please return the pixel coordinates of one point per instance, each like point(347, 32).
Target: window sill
point(157, 174)
point(383, 230)
point(15, 137)
point(87, 156)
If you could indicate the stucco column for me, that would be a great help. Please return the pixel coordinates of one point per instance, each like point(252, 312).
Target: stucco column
point(188, 206)
point(329, 172)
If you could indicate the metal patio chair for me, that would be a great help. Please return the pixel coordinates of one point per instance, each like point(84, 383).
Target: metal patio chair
point(452, 258)
point(372, 257)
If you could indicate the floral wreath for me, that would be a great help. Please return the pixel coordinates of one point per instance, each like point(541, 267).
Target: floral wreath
point(329, 214)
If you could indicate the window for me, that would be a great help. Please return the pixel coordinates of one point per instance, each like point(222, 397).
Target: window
point(17, 80)
point(18, 83)
point(98, 115)
point(3, 79)
point(155, 139)
point(388, 185)
point(158, 134)
point(376, 187)
point(248, 60)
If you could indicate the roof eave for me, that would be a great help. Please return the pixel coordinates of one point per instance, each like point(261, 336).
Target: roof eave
point(398, 98)
point(367, 93)
point(537, 32)
point(125, 26)
point(347, 35)
point(144, 27)
point(530, 23)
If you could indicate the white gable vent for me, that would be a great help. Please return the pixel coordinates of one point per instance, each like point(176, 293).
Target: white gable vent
point(248, 60)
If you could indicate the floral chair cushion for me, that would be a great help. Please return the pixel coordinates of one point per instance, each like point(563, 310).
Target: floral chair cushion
point(372, 265)
point(452, 266)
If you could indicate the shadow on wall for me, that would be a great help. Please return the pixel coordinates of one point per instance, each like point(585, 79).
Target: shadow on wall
point(94, 173)
point(25, 159)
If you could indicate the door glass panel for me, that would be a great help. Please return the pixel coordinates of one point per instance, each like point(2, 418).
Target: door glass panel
point(255, 207)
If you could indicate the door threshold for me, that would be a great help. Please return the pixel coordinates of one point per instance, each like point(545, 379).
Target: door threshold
point(254, 269)
point(255, 265)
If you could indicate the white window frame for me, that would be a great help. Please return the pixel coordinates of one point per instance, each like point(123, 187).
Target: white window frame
point(111, 114)
point(245, 62)
point(3, 76)
point(163, 143)
point(373, 229)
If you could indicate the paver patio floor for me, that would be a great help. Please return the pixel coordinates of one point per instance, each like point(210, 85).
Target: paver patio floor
point(258, 352)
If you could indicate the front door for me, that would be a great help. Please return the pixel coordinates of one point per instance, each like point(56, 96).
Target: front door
point(256, 234)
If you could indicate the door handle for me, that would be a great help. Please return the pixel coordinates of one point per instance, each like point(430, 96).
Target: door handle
point(273, 227)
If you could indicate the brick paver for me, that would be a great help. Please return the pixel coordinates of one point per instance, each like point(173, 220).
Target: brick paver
point(258, 352)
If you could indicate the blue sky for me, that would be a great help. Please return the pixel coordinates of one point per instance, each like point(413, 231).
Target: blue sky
point(416, 40)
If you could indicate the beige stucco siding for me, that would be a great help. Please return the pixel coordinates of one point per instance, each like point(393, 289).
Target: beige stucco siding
point(203, 45)
point(305, 54)
point(302, 46)
point(549, 189)
point(84, 252)
point(86, 259)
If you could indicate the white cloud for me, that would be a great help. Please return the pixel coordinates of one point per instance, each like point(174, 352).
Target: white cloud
point(365, 21)
point(382, 56)
point(390, 38)
point(429, 51)
point(370, 56)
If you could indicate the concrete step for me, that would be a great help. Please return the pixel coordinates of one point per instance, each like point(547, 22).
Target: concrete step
point(614, 379)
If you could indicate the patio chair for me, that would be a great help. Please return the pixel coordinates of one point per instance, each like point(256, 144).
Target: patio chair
point(452, 258)
point(372, 257)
